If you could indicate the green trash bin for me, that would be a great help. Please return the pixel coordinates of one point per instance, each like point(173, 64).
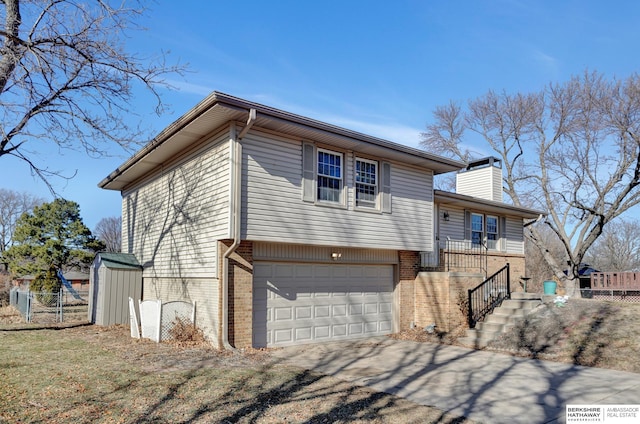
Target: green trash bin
point(550, 287)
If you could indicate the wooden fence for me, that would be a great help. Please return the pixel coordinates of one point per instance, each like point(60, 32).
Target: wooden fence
point(621, 286)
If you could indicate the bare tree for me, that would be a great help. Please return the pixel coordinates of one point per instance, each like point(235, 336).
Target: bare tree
point(12, 205)
point(109, 231)
point(67, 79)
point(618, 249)
point(571, 149)
point(537, 267)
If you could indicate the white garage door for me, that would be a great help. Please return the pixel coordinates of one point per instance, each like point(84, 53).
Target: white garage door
point(306, 303)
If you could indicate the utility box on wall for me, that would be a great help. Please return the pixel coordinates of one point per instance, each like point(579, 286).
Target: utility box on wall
point(114, 278)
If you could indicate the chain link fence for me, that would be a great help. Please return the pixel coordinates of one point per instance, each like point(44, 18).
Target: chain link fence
point(50, 308)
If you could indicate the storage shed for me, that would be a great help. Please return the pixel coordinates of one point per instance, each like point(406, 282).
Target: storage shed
point(114, 278)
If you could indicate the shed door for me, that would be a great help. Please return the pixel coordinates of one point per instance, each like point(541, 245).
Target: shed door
point(305, 303)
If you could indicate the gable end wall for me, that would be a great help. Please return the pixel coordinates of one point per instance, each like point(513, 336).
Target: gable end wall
point(171, 221)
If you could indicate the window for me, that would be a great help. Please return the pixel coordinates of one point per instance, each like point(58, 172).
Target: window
point(366, 183)
point(483, 229)
point(492, 232)
point(477, 229)
point(329, 176)
point(323, 180)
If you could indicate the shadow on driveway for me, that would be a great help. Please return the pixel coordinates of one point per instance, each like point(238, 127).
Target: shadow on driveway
point(480, 385)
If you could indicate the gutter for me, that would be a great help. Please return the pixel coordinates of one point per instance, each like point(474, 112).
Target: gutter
point(235, 208)
point(334, 129)
point(533, 221)
point(226, 101)
point(197, 111)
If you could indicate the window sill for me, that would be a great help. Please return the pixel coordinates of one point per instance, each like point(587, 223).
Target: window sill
point(332, 205)
point(376, 211)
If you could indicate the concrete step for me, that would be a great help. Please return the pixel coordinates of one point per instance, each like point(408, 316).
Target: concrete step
point(525, 296)
point(511, 311)
point(492, 327)
point(520, 304)
point(502, 318)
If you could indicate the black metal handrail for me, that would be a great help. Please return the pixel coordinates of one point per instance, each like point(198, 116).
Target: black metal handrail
point(489, 295)
point(456, 255)
point(464, 254)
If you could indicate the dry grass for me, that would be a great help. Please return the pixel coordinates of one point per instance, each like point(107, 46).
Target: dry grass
point(593, 333)
point(94, 374)
point(10, 315)
point(100, 375)
point(584, 332)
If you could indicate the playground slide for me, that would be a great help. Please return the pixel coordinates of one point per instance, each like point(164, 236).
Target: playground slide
point(68, 286)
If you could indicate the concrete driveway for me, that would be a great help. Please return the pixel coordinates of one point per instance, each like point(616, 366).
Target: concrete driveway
point(479, 385)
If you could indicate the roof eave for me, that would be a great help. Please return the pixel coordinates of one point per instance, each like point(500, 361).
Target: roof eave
point(440, 164)
point(445, 197)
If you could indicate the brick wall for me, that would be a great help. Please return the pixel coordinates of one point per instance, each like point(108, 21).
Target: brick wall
point(438, 296)
point(516, 267)
point(409, 265)
point(240, 292)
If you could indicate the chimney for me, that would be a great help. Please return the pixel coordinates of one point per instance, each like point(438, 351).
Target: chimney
point(481, 178)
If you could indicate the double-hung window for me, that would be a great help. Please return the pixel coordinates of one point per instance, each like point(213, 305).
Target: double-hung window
point(330, 175)
point(492, 232)
point(484, 229)
point(324, 181)
point(477, 229)
point(366, 183)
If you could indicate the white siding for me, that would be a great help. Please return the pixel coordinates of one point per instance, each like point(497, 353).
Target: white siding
point(296, 252)
point(515, 235)
point(205, 292)
point(273, 209)
point(171, 221)
point(485, 183)
point(455, 228)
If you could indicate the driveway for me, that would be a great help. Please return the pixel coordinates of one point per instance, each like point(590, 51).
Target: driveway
point(479, 385)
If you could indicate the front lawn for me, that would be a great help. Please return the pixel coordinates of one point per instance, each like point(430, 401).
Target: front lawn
point(93, 374)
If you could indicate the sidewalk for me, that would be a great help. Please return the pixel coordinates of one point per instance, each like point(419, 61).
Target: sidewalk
point(479, 385)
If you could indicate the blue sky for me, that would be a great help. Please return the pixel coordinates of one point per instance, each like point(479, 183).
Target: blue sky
point(378, 67)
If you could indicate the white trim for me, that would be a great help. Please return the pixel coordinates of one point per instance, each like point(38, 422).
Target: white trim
point(341, 179)
point(375, 205)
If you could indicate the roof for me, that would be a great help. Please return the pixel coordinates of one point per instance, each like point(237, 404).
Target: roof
point(462, 200)
point(482, 163)
point(218, 109)
point(70, 275)
point(76, 275)
point(119, 260)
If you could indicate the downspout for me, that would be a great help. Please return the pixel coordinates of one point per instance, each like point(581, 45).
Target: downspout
point(235, 209)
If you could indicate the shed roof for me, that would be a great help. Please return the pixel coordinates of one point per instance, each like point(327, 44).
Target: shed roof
point(76, 275)
point(119, 260)
point(70, 275)
point(218, 109)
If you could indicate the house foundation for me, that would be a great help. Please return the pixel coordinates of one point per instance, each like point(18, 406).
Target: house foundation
point(441, 298)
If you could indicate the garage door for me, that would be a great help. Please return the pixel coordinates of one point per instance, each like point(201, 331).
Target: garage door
point(308, 303)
